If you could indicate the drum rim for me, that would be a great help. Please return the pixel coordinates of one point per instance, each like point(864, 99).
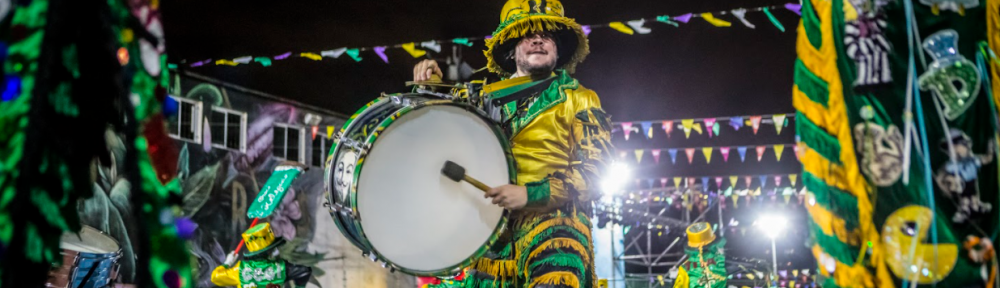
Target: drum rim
point(331, 196)
point(497, 231)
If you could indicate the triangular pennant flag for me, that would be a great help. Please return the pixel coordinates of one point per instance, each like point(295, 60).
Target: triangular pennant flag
point(697, 128)
point(783, 273)
point(335, 53)
point(755, 122)
point(709, 123)
point(687, 124)
point(760, 152)
point(668, 126)
point(690, 182)
point(656, 155)
point(763, 180)
point(264, 61)
point(355, 54)
point(243, 60)
point(715, 21)
point(743, 153)
point(805, 272)
point(690, 154)
point(779, 122)
point(673, 155)
point(729, 192)
point(666, 19)
point(715, 128)
point(683, 18)
point(774, 20)
point(412, 49)
point(777, 151)
point(725, 153)
point(708, 154)
point(792, 178)
point(718, 182)
point(704, 183)
point(627, 129)
point(732, 181)
point(795, 273)
point(798, 151)
point(677, 182)
point(748, 180)
point(663, 182)
point(329, 131)
point(647, 129)
point(311, 56)
point(586, 30)
point(791, 283)
point(736, 122)
point(462, 41)
point(787, 198)
point(795, 8)
point(637, 26)
point(638, 155)
point(621, 27)
point(649, 182)
point(777, 180)
point(431, 45)
point(380, 51)
point(742, 14)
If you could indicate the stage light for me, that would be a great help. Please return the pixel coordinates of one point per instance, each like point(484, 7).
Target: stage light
point(772, 224)
point(618, 175)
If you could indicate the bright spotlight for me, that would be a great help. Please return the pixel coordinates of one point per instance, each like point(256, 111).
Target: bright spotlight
point(618, 175)
point(772, 224)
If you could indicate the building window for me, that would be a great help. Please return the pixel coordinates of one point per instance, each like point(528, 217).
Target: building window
point(320, 150)
point(229, 129)
point(187, 124)
point(289, 143)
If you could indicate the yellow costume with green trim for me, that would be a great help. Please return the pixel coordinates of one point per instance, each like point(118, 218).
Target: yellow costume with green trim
point(259, 268)
point(560, 139)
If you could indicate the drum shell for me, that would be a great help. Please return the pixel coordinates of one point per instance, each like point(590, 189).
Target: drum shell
point(387, 111)
point(76, 266)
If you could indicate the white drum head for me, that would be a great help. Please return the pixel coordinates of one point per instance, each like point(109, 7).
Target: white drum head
point(89, 240)
point(414, 216)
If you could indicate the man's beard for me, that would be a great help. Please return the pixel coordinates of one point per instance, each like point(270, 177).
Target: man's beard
point(540, 69)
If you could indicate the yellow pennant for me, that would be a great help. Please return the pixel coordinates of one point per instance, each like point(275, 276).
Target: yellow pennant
point(732, 180)
point(225, 62)
point(715, 21)
point(329, 131)
point(311, 56)
point(777, 150)
point(412, 49)
point(677, 181)
point(708, 154)
point(638, 155)
point(687, 124)
point(697, 128)
point(787, 197)
point(621, 27)
point(795, 273)
point(793, 177)
point(791, 283)
point(736, 201)
point(779, 122)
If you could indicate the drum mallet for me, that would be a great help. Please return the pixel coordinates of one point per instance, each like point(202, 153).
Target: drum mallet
point(456, 173)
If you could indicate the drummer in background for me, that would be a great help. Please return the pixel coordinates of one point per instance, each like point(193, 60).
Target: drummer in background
point(560, 138)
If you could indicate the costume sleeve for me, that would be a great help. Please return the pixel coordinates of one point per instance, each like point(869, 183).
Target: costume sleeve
point(590, 153)
point(223, 276)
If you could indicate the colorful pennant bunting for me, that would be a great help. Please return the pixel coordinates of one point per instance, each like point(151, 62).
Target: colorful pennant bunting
point(683, 18)
point(668, 126)
point(743, 153)
point(656, 155)
point(704, 183)
point(663, 182)
point(412, 49)
point(647, 129)
point(708, 154)
point(621, 27)
point(779, 122)
point(638, 155)
point(763, 180)
point(687, 125)
point(637, 26)
point(778, 148)
point(792, 178)
point(677, 182)
point(760, 152)
point(736, 122)
point(715, 21)
point(741, 14)
point(718, 182)
point(329, 131)
point(755, 122)
point(725, 153)
point(709, 123)
point(627, 129)
point(673, 155)
point(777, 24)
point(732, 180)
point(777, 180)
point(690, 154)
point(380, 51)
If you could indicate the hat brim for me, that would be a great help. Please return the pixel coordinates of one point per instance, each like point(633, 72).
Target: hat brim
point(573, 45)
point(277, 242)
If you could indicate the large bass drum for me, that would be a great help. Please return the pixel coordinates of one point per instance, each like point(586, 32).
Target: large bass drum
point(388, 196)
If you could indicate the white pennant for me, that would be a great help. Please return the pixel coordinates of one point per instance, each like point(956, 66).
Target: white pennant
point(335, 53)
point(741, 14)
point(637, 26)
point(432, 45)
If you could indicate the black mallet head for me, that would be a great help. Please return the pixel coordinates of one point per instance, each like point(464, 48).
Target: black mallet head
point(453, 171)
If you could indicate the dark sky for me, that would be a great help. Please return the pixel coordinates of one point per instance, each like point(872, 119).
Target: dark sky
point(696, 70)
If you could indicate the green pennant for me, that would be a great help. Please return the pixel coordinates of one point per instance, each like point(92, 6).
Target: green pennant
point(270, 197)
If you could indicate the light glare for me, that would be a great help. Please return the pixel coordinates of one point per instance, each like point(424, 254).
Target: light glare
point(618, 175)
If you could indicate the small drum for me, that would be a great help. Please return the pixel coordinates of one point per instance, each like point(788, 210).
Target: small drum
point(388, 196)
point(90, 260)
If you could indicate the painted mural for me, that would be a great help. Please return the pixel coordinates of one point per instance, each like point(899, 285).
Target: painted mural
point(219, 184)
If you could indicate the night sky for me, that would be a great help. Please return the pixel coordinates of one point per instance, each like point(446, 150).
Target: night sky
point(694, 71)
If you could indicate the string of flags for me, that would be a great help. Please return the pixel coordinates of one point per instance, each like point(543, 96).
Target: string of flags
point(708, 151)
point(797, 278)
point(763, 181)
point(710, 126)
point(418, 49)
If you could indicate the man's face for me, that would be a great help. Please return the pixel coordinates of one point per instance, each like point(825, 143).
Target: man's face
point(536, 54)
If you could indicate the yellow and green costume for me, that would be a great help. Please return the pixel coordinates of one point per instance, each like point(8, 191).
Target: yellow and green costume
point(259, 268)
point(560, 138)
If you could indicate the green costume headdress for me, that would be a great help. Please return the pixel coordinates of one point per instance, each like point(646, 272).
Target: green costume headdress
point(521, 18)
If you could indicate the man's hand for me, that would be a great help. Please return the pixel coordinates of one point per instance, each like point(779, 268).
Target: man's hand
point(424, 70)
point(512, 197)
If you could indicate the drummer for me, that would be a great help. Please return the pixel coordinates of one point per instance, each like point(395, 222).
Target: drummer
point(560, 138)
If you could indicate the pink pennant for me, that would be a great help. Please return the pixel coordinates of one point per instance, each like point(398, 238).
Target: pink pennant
point(656, 155)
point(777, 180)
point(718, 183)
point(690, 181)
point(690, 153)
point(663, 182)
point(798, 152)
point(683, 18)
point(755, 122)
point(725, 153)
point(748, 179)
point(760, 152)
point(709, 122)
point(627, 129)
point(668, 126)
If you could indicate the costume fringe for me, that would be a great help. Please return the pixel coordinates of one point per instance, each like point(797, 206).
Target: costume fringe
point(558, 243)
point(535, 234)
point(534, 24)
point(562, 260)
point(557, 278)
point(496, 268)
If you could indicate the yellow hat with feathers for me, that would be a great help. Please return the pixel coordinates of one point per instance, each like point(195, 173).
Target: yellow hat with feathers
point(521, 18)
